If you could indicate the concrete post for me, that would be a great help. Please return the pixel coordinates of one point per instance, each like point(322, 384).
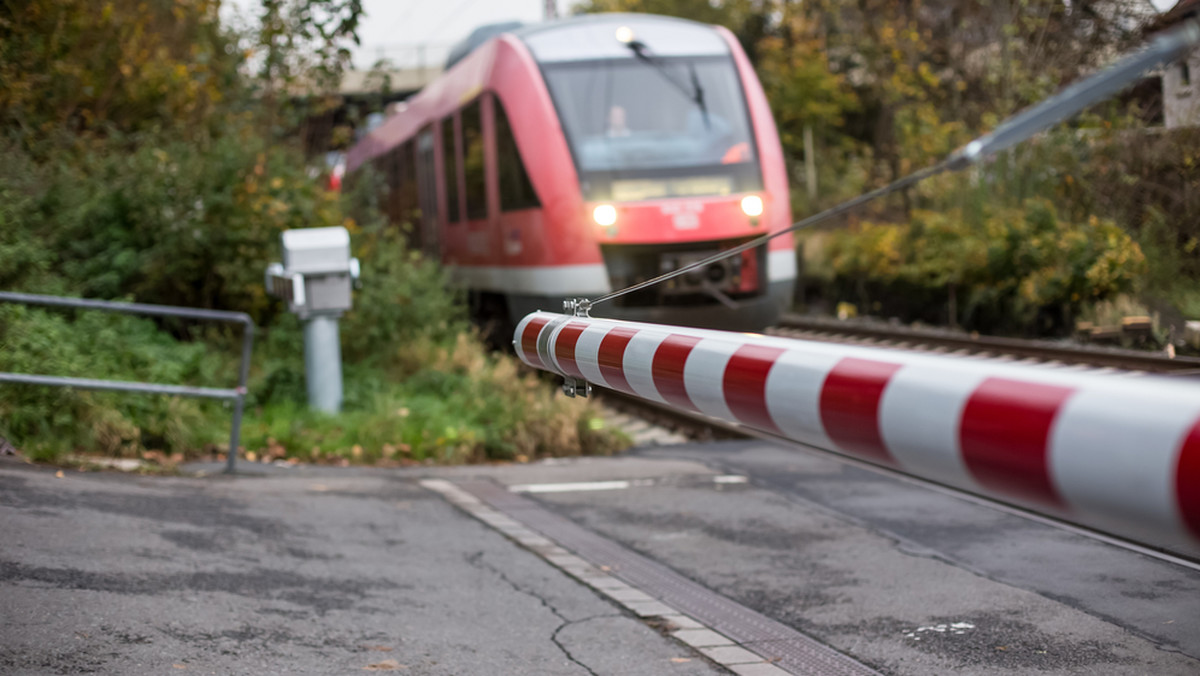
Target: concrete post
point(323, 362)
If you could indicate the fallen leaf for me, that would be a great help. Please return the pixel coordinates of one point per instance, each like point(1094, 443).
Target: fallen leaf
point(178, 666)
point(681, 660)
point(386, 665)
point(380, 648)
point(58, 474)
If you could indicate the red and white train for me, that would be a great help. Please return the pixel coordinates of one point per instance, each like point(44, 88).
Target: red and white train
point(577, 157)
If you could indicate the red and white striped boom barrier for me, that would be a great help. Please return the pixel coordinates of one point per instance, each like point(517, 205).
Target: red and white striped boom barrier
point(1120, 453)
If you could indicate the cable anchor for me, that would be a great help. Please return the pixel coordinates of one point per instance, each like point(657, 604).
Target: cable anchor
point(578, 307)
point(572, 386)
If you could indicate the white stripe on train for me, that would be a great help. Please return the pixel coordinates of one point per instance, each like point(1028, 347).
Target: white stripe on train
point(575, 280)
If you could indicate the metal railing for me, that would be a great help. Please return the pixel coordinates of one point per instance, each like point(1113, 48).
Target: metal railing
point(237, 395)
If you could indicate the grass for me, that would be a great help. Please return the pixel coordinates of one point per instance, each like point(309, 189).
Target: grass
point(432, 400)
point(461, 405)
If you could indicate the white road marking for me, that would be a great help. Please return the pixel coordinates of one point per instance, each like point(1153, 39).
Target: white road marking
point(576, 486)
point(730, 479)
point(614, 485)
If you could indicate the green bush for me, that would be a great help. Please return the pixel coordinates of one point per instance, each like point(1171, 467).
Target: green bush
point(50, 421)
point(1024, 270)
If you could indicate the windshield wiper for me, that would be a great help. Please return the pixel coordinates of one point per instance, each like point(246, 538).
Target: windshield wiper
point(695, 94)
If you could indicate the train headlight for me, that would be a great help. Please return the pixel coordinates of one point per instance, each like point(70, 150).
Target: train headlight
point(752, 206)
point(605, 215)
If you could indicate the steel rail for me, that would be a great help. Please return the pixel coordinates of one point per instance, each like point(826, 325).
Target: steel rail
point(1016, 347)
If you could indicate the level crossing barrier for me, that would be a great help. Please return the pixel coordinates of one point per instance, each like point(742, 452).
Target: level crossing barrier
point(1116, 452)
point(237, 394)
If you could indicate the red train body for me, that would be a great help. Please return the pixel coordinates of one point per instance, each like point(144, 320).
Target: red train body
point(576, 157)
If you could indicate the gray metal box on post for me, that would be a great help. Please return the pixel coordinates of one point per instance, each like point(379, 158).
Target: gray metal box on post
point(315, 279)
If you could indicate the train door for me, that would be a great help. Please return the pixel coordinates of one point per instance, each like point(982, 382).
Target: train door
point(427, 194)
point(480, 231)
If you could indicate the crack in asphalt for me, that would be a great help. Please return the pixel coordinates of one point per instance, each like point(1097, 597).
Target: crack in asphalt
point(476, 561)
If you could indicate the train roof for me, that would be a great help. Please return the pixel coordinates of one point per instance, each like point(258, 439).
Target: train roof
point(592, 36)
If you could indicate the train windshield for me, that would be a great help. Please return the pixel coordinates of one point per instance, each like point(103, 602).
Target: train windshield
point(642, 129)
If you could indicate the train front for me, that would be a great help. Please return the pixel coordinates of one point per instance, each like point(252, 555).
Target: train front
point(678, 158)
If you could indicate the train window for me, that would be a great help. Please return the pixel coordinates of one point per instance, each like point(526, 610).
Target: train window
point(450, 165)
point(394, 177)
point(636, 126)
point(516, 192)
point(407, 187)
point(473, 163)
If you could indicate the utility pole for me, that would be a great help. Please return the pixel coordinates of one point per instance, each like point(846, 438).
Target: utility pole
point(550, 10)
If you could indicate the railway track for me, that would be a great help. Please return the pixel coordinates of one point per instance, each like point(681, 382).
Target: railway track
point(1049, 353)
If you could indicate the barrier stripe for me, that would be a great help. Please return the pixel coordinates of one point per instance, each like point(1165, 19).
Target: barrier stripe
point(1004, 435)
point(1112, 452)
point(745, 385)
point(667, 369)
point(611, 357)
point(564, 348)
point(850, 406)
point(1187, 480)
point(529, 341)
point(704, 376)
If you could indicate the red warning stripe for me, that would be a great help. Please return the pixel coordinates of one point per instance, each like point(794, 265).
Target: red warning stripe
point(529, 341)
point(745, 385)
point(564, 348)
point(667, 369)
point(1005, 433)
point(1187, 480)
point(611, 358)
point(850, 406)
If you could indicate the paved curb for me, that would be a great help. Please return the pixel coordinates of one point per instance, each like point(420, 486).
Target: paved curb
point(716, 646)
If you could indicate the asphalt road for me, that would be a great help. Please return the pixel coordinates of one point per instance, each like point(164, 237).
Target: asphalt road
point(330, 571)
point(309, 572)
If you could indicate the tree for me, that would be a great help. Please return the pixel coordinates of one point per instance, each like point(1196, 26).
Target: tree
point(86, 67)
